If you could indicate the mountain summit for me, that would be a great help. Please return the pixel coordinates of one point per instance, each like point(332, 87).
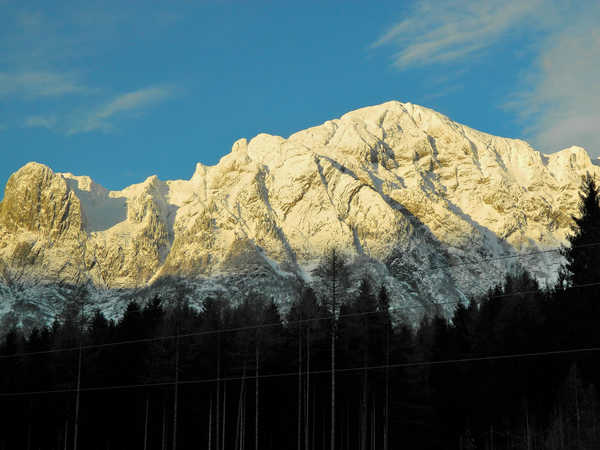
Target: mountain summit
point(416, 201)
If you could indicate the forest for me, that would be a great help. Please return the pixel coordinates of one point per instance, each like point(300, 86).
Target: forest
point(514, 369)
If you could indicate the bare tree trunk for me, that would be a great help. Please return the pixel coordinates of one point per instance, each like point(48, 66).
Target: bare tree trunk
point(594, 430)
point(342, 442)
point(560, 428)
point(210, 425)
point(528, 434)
point(164, 427)
point(175, 401)
point(146, 425)
point(78, 394)
point(256, 391)
point(324, 432)
point(239, 416)
point(66, 433)
point(314, 405)
point(307, 405)
point(344, 439)
point(363, 410)
point(243, 421)
point(333, 386)
point(236, 444)
point(373, 423)
point(386, 409)
point(577, 412)
point(243, 431)
point(347, 429)
point(224, 416)
point(218, 418)
point(333, 336)
point(299, 431)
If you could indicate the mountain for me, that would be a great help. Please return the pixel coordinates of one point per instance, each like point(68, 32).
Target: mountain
point(433, 209)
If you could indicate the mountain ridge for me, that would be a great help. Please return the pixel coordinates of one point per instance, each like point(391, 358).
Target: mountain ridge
point(398, 186)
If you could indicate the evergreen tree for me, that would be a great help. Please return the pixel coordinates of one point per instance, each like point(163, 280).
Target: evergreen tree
point(99, 328)
point(582, 268)
point(583, 256)
point(463, 323)
point(131, 325)
point(153, 315)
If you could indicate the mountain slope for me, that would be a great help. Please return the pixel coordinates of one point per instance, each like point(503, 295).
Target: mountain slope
point(402, 189)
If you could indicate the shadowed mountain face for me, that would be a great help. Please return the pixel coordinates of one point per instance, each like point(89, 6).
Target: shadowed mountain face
point(402, 189)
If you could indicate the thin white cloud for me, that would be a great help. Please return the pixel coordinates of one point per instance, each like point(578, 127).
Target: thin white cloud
point(135, 100)
point(48, 122)
point(440, 32)
point(129, 103)
point(35, 84)
point(101, 118)
point(46, 54)
point(561, 94)
point(558, 96)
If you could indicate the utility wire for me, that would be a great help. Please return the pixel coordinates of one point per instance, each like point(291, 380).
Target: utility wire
point(424, 363)
point(499, 258)
point(252, 327)
point(503, 257)
point(274, 324)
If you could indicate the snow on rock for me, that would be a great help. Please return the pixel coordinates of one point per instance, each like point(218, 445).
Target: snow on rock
point(402, 189)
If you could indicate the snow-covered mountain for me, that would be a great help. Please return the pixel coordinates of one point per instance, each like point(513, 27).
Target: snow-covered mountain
point(414, 199)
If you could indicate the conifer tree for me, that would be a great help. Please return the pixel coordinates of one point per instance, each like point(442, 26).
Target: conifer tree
point(582, 268)
point(583, 255)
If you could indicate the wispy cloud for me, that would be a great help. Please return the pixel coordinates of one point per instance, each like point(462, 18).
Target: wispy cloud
point(560, 96)
point(41, 122)
point(135, 100)
point(439, 32)
point(48, 55)
point(127, 104)
point(35, 84)
point(101, 118)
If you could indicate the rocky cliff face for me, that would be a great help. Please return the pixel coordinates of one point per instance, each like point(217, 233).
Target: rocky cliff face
point(413, 198)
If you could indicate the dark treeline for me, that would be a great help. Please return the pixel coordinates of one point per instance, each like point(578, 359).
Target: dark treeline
point(243, 377)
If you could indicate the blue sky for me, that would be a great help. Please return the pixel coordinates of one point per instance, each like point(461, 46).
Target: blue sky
point(124, 90)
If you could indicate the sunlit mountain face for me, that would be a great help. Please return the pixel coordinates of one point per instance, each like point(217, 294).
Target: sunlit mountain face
point(432, 209)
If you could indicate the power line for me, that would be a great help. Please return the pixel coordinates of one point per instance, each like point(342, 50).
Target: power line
point(252, 327)
point(273, 324)
point(424, 363)
point(499, 258)
point(503, 257)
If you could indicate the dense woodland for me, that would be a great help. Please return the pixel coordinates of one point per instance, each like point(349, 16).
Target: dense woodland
point(515, 369)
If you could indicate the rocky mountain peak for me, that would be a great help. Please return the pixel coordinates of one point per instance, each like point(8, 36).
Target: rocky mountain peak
point(38, 200)
point(402, 189)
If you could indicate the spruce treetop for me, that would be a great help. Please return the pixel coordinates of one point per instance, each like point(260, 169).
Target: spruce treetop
point(582, 257)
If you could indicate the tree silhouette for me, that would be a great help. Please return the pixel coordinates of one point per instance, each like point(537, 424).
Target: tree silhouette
point(583, 256)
